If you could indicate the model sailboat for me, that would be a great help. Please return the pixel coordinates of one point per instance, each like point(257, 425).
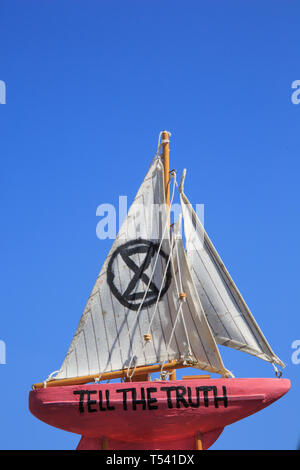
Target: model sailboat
point(157, 306)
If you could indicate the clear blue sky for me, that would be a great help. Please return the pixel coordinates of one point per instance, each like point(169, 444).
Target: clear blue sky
point(89, 86)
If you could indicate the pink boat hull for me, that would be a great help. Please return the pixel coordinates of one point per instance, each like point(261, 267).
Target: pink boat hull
point(153, 415)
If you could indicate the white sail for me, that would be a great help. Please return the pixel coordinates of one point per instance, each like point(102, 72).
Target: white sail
point(135, 295)
point(229, 317)
point(108, 332)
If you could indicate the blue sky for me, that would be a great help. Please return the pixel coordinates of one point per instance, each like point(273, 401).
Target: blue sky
point(89, 85)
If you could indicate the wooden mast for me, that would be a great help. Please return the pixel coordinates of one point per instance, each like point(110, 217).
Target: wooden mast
point(166, 163)
point(118, 374)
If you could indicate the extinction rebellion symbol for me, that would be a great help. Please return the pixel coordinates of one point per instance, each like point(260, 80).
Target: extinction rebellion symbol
point(137, 255)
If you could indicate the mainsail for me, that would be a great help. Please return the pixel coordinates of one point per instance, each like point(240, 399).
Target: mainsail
point(228, 315)
point(135, 298)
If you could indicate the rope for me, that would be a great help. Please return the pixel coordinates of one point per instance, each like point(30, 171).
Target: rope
point(97, 379)
point(181, 300)
point(278, 372)
point(127, 373)
point(159, 145)
point(163, 141)
point(49, 378)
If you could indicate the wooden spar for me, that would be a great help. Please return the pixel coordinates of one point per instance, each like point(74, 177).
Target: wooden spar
point(166, 163)
point(118, 374)
point(195, 377)
point(104, 443)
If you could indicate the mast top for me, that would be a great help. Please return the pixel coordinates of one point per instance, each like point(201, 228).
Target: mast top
point(166, 163)
point(165, 137)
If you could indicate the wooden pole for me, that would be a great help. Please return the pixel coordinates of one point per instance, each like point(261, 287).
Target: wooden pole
point(105, 443)
point(199, 445)
point(118, 374)
point(166, 163)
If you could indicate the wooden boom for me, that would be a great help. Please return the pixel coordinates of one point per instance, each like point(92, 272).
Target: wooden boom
point(118, 374)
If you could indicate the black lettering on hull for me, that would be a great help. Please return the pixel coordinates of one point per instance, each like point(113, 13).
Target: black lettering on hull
point(133, 399)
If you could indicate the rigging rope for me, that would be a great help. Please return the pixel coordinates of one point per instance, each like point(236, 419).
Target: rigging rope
point(278, 372)
point(49, 377)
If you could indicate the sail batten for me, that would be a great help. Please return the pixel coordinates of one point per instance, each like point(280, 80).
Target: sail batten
point(231, 321)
